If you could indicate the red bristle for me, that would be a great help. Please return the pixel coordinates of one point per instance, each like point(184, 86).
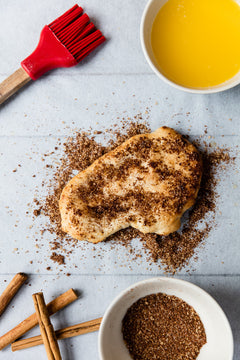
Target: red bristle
point(90, 48)
point(88, 29)
point(72, 31)
point(77, 25)
point(63, 15)
point(68, 21)
point(79, 36)
point(60, 24)
point(80, 47)
point(76, 33)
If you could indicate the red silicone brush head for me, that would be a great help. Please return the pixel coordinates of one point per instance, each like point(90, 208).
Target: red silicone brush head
point(77, 33)
point(63, 43)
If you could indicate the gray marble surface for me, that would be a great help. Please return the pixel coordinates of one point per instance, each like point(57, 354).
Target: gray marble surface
point(113, 82)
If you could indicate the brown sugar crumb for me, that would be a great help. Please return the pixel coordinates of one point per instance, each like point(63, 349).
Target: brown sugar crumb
point(163, 327)
point(36, 212)
point(60, 259)
point(172, 252)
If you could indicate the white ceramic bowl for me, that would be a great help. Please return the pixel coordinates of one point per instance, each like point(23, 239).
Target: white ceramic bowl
point(148, 17)
point(219, 335)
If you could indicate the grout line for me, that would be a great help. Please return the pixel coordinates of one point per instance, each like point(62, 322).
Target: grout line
point(86, 74)
point(189, 275)
point(63, 136)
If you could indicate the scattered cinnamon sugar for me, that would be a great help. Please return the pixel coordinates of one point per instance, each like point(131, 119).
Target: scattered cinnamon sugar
point(174, 251)
point(58, 258)
point(36, 212)
point(79, 152)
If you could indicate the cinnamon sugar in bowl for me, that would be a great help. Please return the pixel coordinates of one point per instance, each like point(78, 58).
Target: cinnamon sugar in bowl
point(215, 339)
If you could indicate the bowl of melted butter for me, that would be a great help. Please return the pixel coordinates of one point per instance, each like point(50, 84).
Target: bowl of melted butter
point(193, 45)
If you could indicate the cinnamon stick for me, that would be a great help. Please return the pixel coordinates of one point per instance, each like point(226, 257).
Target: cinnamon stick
point(11, 290)
point(70, 331)
point(57, 304)
point(46, 328)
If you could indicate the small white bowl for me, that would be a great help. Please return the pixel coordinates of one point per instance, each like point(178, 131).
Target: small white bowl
point(148, 17)
point(219, 335)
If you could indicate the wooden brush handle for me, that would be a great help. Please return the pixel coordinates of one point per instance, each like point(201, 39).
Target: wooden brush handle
point(13, 83)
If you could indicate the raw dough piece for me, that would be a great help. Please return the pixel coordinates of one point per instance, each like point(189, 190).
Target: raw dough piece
point(148, 182)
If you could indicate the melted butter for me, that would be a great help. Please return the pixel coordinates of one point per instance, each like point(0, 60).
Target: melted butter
point(197, 42)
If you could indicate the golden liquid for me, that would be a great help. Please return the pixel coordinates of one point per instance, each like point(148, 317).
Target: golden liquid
point(197, 42)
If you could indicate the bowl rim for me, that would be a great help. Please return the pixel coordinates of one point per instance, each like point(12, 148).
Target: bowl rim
point(210, 90)
point(123, 293)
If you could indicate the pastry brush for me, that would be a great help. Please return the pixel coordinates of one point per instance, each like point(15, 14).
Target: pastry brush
point(63, 43)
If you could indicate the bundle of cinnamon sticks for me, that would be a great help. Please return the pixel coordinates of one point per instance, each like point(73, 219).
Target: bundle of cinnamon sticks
point(48, 335)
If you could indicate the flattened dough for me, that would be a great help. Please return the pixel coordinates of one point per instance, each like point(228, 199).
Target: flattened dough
point(148, 182)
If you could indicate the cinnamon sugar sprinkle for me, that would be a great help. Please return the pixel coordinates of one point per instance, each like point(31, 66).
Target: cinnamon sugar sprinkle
point(171, 252)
